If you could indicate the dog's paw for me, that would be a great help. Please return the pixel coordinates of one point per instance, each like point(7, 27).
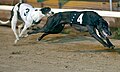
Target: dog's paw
point(16, 41)
point(112, 47)
point(38, 39)
point(26, 35)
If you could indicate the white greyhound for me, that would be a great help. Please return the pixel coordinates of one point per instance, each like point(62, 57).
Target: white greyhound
point(28, 15)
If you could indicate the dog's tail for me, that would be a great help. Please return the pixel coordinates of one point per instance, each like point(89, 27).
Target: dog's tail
point(9, 20)
point(4, 22)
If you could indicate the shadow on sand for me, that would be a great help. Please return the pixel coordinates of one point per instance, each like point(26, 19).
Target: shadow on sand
point(116, 50)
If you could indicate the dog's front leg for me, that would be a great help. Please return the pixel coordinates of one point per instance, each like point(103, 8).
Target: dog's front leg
point(19, 28)
point(110, 44)
point(24, 29)
point(93, 33)
point(100, 40)
point(107, 40)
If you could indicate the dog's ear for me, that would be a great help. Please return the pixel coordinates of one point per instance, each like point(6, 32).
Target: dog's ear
point(102, 24)
point(45, 10)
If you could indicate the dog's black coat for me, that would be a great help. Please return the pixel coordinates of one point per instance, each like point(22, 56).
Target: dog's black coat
point(90, 19)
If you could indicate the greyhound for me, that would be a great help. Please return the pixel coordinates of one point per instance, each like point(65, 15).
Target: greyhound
point(28, 14)
point(95, 24)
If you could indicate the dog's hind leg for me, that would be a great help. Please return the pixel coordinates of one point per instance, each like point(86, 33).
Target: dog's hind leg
point(42, 36)
point(35, 31)
point(93, 33)
point(13, 25)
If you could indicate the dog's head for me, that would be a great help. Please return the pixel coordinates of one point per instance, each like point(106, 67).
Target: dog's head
point(105, 28)
point(47, 11)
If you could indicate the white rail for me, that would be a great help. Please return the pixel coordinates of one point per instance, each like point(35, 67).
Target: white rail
point(102, 13)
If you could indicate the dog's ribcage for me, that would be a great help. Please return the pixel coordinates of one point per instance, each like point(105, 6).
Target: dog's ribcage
point(76, 17)
point(28, 13)
point(24, 11)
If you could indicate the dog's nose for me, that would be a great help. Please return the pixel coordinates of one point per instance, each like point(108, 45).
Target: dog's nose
point(52, 12)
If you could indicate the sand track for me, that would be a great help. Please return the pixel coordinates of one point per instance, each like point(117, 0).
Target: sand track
point(56, 53)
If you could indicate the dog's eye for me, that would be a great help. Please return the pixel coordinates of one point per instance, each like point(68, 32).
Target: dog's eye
point(36, 9)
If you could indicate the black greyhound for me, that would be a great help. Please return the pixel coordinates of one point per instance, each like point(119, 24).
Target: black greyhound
point(89, 19)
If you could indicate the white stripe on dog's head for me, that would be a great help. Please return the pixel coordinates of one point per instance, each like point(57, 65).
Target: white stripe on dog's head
point(50, 13)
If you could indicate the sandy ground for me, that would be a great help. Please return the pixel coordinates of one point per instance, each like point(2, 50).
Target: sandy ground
point(56, 53)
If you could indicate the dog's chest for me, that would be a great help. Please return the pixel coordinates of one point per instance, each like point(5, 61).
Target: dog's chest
point(76, 18)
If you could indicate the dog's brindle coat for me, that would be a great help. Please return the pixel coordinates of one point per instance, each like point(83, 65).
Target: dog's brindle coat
point(90, 19)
